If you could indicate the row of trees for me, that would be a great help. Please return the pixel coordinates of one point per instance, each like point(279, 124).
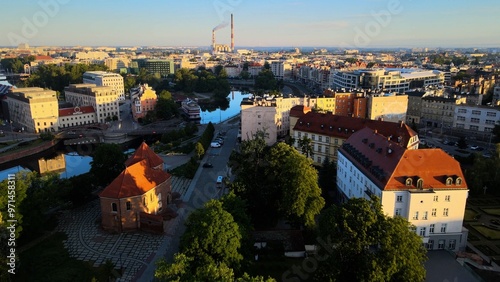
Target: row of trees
point(16, 65)
point(57, 77)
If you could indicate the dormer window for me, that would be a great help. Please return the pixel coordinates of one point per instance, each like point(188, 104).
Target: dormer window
point(420, 183)
point(458, 181)
point(409, 181)
point(449, 181)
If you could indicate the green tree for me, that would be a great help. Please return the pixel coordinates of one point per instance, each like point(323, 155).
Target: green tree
point(306, 148)
point(212, 236)
point(265, 81)
point(199, 150)
point(22, 183)
point(327, 178)
point(496, 133)
point(362, 244)
point(297, 184)
point(108, 163)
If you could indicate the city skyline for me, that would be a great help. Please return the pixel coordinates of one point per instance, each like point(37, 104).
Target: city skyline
point(272, 23)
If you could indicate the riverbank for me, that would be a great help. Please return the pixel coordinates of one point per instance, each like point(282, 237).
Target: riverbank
point(27, 151)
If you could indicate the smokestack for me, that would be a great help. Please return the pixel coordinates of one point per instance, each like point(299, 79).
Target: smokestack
point(232, 34)
point(213, 40)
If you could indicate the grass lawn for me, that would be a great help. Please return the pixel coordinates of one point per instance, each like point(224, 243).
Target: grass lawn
point(50, 261)
point(487, 232)
point(492, 211)
point(470, 215)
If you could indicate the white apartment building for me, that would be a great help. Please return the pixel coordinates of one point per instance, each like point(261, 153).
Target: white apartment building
point(391, 80)
point(102, 78)
point(278, 69)
point(33, 109)
point(76, 116)
point(103, 99)
point(425, 186)
point(476, 120)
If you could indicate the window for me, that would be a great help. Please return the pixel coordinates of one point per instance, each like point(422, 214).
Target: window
point(114, 207)
point(436, 198)
point(462, 111)
point(491, 114)
point(424, 216)
point(397, 212)
point(399, 198)
point(430, 245)
point(474, 120)
point(475, 112)
point(460, 118)
point(422, 231)
point(449, 181)
point(447, 198)
point(433, 213)
point(420, 183)
point(441, 244)
point(408, 181)
point(489, 121)
point(320, 138)
point(431, 228)
point(451, 244)
point(327, 139)
point(443, 228)
point(336, 141)
point(459, 181)
point(445, 212)
point(415, 216)
point(129, 205)
point(313, 137)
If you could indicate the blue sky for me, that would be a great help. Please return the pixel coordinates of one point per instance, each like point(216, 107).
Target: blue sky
point(295, 23)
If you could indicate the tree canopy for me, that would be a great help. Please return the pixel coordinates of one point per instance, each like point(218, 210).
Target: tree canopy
point(277, 182)
point(363, 244)
point(108, 163)
point(212, 236)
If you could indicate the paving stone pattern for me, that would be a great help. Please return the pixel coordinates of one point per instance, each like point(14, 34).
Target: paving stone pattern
point(132, 251)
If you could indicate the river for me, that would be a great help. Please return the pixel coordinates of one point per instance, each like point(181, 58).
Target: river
point(69, 164)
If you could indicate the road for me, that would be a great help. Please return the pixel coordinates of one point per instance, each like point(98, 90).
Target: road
point(438, 141)
point(201, 190)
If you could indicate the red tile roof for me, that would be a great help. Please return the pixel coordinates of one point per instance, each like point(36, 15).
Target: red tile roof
point(43, 58)
point(144, 152)
point(135, 180)
point(389, 165)
point(71, 111)
point(343, 127)
point(299, 110)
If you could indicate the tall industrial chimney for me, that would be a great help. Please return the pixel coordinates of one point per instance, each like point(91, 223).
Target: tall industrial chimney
point(213, 41)
point(232, 34)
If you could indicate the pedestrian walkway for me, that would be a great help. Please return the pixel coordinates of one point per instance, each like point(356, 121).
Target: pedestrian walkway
point(132, 252)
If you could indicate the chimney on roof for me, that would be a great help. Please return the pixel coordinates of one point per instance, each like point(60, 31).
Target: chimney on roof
point(401, 123)
point(375, 131)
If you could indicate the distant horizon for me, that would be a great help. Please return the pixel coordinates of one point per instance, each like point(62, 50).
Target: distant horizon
point(260, 24)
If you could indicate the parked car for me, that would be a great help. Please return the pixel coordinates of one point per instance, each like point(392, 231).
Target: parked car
point(220, 141)
point(207, 165)
point(215, 145)
point(474, 147)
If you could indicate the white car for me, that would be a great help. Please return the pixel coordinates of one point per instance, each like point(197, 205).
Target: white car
point(214, 145)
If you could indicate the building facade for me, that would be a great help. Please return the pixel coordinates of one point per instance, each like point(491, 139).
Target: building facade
point(387, 107)
point(76, 116)
point(414, 108)
point(438, 112)
point(328, 132)
point(104, 100)
point(102, 78)
point(413, 184)
point(142, 190)
point(477, 121)
point(143, 102)
point(33, 109)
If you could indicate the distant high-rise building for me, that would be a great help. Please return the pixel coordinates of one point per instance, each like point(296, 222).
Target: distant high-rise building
point(102, 78)
point(161, 67)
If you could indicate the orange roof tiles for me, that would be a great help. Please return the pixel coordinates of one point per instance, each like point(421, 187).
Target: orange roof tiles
point(344, 127)
point(389, 165)
point(135, 180)
point(144, 152)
